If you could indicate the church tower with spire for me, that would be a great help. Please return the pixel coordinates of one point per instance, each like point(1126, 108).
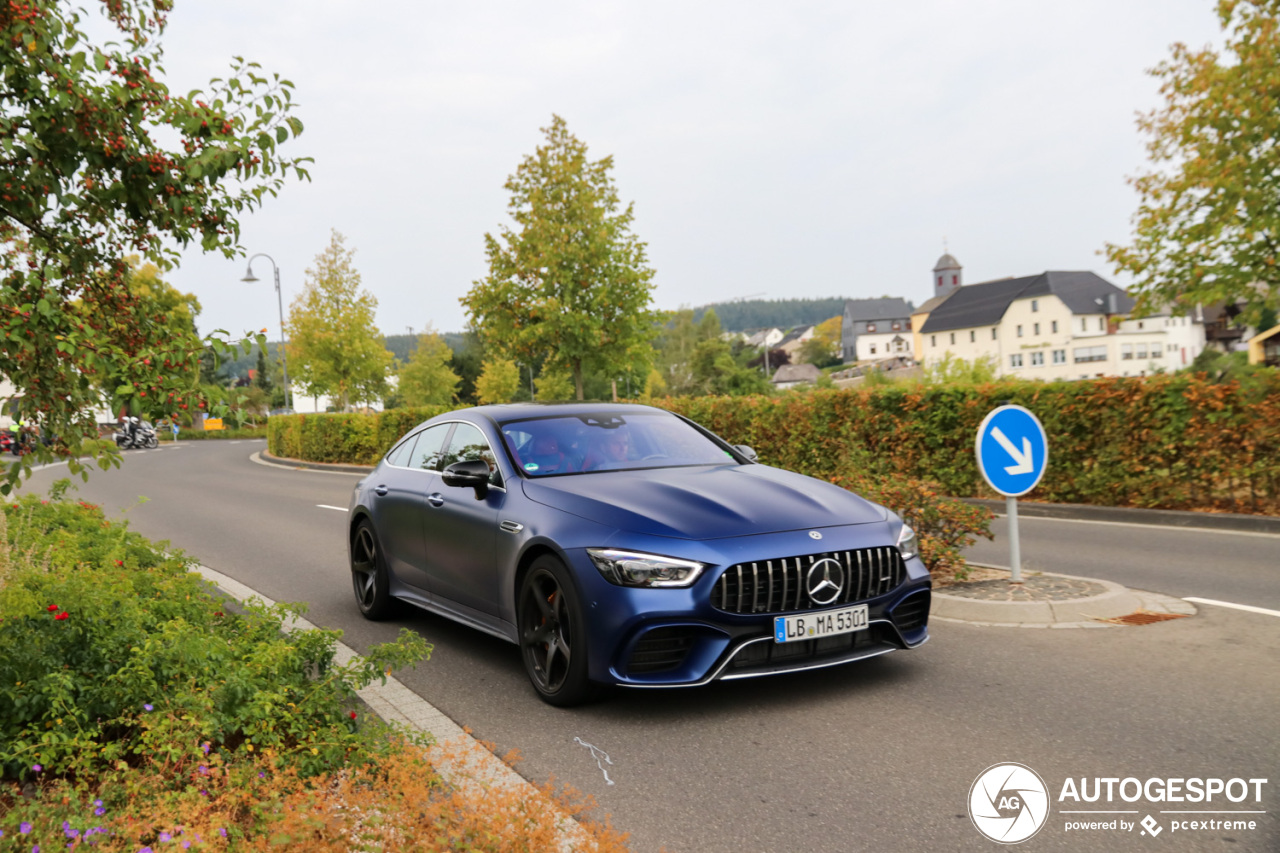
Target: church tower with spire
point(947, 274)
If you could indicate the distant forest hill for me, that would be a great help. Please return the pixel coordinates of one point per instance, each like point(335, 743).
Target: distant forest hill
point(783, 313)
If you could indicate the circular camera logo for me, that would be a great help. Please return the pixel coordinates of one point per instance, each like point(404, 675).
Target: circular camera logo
point(1008, 803)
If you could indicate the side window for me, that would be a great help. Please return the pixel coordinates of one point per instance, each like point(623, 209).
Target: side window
point(402, 452)
point(469, 443)
point(426, 454)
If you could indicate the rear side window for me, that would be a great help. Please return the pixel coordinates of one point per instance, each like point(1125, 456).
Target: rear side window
point(426, 453)
point(402, 452)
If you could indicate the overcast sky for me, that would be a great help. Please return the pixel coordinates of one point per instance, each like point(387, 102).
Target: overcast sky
point(779, 149)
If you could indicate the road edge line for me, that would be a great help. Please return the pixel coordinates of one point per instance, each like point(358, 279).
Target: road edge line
point(1248, 608)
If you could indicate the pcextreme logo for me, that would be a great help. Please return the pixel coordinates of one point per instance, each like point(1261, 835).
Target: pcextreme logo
point(1008, 803)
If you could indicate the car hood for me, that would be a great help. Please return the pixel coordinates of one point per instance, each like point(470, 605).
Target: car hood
point(704, 502)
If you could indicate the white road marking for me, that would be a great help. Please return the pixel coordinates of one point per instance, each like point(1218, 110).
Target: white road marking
point(1246, 607)
point(338, 508)
point(1025, 518)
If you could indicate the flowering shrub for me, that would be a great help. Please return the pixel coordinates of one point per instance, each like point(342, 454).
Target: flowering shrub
point(126, 655)
point(138, 712)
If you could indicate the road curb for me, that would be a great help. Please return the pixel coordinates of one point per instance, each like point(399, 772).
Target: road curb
point(1236, 522)
point(264, 458)
point(1087, 612)
point(460, 759)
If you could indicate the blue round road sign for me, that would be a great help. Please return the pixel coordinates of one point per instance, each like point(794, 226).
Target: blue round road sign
point(1012, 450)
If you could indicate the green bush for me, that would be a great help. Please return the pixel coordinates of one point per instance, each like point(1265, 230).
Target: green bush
point(358, 439)
point(126, 656)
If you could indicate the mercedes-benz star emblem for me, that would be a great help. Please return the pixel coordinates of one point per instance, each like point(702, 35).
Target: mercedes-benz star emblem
point(825, 581)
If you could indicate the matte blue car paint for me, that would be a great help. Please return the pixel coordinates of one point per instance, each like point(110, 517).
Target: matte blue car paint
point(720, 515)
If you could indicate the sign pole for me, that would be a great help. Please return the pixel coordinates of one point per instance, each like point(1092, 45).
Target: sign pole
point(1015, 552)
point(1012, 452)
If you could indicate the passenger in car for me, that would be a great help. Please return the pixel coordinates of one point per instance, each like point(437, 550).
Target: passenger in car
point(609, 450)
point(545, 455)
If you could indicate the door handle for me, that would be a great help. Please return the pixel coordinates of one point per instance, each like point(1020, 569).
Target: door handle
point(435, 499)
point(380, 491)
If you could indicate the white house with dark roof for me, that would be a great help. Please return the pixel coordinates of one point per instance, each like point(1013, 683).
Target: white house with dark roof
point(1057, 325)
point(876, 329)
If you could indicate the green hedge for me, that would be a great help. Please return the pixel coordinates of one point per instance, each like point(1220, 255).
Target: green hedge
point(351, 438)
point(1176, 442)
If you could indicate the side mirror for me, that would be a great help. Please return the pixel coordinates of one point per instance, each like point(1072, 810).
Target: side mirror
point(473, 473)
point(746, 451)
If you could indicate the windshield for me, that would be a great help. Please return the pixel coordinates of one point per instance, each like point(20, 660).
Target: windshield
point(608, 441)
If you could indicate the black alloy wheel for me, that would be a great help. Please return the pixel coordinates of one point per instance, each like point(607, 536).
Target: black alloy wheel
point(552, 635)
point(369, 574)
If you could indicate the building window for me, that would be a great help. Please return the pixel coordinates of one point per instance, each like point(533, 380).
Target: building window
point(1102, 324)
point(1035, 329)
point(908, 325)
point(1054, 326)
point(933, 340)
point(955, 279)
point(1084, 354)
point(1015, 360)
point(1156, 352)
point(973, 336)
point(1035, 305)
point(993, 333)
point(1139, 324)
point(897, 326)
point(953, 338)
point(1059, 356)
point(873, 349)
point(1126, 352)
point(1037, 359)
point(871, 327)
point(939, 281)
point(1140, 351)
point(1019, 330)
point(1083, 327)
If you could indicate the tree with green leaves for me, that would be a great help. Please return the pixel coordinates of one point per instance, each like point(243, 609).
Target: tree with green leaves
point(99, 161)
point(498, 380)
point(333, 339)
point(426, 379)
point(571, 286)
point(1207, 229)
point(554, 385)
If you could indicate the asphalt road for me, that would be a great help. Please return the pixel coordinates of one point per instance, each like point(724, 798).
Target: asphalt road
point(874, 756)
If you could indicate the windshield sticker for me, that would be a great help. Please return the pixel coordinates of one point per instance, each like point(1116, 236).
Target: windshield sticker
point(531, 466)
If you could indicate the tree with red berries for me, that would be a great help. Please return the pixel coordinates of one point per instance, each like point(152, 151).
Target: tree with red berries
point(99, 161)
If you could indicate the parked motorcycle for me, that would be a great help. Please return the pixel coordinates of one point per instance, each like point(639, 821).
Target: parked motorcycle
point(142, 436)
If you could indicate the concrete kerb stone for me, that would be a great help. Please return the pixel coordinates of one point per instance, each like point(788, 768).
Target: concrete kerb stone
point(460, 759)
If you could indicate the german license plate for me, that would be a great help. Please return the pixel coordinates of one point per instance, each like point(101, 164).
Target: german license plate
point(815, 626)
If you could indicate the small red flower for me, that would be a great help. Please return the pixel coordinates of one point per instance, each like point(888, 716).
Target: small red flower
point(63, 615)
point(119, 562)
point(52, 607)
point(353, 715)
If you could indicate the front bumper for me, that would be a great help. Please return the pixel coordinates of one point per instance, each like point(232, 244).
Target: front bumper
point(676, 638)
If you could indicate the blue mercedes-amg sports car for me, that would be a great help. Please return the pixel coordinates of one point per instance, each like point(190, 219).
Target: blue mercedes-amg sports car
point(626, 545)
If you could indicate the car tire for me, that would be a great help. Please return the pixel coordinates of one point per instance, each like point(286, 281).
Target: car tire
point(369, 577)
point(552, 632)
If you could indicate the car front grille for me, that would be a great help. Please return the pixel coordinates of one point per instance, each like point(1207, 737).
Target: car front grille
point(776, 586)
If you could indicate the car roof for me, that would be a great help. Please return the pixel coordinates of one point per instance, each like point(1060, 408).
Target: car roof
point(508, 412)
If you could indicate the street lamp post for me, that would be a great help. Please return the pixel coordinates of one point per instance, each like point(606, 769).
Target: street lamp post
point(284, 350)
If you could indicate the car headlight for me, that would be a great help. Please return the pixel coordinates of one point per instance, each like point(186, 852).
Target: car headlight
point(628, 568)
point(908, 544)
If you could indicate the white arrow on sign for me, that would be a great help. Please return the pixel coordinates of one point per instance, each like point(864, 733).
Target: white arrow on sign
point(1023, 459)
